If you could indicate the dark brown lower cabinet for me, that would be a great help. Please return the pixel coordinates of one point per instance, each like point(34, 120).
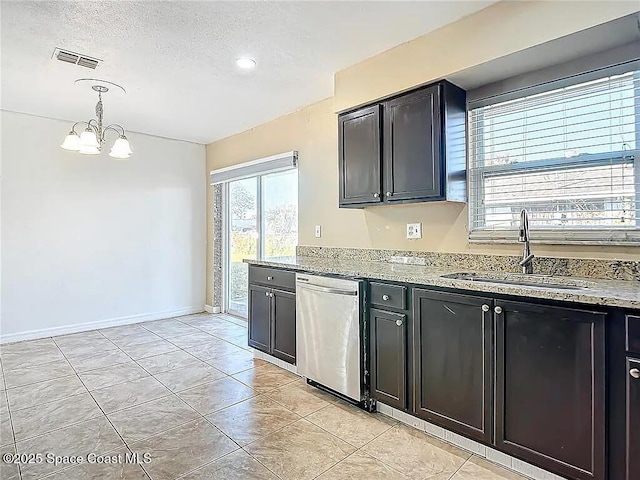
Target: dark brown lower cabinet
point(633, 419)
point(259, 317)
point(389, 357)
point(452, 361)
point(550, 387)
point(272, 322)
point(283, 328)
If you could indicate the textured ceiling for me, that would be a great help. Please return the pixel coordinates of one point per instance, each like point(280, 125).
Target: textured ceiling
point(177, 59)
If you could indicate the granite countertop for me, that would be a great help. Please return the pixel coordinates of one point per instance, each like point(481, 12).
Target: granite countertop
point(614, 293)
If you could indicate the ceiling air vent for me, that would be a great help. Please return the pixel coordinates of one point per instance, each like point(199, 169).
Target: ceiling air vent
point(76, 58)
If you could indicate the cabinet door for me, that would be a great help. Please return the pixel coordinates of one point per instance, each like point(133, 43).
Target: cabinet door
point(360, 157)
point(259, 317)
point(633, 419)
point(388, 357)
point(283, 326)
point(633, 333)
point(413, 147)
point(550, 388)
point(452, 361)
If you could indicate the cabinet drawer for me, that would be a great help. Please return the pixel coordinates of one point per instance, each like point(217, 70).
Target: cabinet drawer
point(633, 333)
point(272, 277)
point(385, 295)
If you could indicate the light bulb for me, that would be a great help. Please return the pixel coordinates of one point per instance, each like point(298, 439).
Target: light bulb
point(71, 141)
point(121, 148)
point(88, 139)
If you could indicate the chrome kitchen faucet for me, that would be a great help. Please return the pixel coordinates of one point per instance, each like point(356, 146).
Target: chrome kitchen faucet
point(523, 236)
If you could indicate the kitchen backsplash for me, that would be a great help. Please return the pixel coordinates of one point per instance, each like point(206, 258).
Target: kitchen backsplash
point(569, 267)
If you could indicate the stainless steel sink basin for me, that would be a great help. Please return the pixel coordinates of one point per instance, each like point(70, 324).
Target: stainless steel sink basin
point(537, 281)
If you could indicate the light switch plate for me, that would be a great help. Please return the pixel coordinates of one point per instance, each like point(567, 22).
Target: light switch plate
point(414, 230)
point(318, 231)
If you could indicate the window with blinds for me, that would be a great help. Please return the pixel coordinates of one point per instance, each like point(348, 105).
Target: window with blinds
point(569, 156)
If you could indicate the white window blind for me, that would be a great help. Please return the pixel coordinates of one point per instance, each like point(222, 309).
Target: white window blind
point(569, 156)
point(262, 166)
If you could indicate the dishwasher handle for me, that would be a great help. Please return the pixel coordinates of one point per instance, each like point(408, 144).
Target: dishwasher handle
point(318, 288)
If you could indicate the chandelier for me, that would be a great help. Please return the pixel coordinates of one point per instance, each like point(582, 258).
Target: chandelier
point(91, 140)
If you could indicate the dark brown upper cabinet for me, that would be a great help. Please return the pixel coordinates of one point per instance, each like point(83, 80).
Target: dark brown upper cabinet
point(360, 157)
point(410, 148)
point(550, 387)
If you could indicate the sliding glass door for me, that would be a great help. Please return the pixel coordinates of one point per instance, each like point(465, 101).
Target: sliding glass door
point(243, 240)
point(262, 221)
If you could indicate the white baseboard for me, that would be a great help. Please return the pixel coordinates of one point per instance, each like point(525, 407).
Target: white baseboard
point(275, 361)
point(83, 327)
point(210, 309)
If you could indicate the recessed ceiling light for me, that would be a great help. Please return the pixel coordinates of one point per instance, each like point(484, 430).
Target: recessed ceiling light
point(246, 63)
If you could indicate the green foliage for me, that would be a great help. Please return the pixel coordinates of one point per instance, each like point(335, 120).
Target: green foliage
point(243, 245)
point(281, 232)
point(242, 200)
point(239, 281)
point(281, 238)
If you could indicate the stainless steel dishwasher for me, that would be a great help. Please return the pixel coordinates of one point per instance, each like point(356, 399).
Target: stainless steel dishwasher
point(328, 333)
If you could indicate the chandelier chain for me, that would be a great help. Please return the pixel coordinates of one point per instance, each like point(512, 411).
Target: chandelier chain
point(99, 114)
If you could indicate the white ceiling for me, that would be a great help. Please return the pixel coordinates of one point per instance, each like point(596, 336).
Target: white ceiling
point(177, 59)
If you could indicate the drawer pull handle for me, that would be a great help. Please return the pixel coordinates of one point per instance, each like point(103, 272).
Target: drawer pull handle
point(485, 308)
point(266, 294)
point(634, 372)
point(399, 323)
point(498, 310)
point(376, 195)
point(385, 298)
point(269, 278)
point(389, 194)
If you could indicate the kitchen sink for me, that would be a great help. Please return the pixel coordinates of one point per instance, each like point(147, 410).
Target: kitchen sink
point(538, 281)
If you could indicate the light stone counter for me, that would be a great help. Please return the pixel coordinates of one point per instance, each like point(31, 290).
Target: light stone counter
point(613, 293)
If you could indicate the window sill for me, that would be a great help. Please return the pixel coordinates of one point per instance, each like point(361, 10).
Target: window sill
point(628, 238)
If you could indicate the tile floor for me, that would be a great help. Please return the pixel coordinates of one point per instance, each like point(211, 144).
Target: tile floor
point(187, 395)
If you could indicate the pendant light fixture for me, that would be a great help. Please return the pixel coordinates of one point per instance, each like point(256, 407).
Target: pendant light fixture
point(93, 137)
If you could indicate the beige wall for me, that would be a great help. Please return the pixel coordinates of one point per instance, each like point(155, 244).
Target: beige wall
point(313, 132)
point(504, 28)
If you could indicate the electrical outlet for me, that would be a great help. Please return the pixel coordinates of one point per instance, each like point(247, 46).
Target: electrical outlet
point(318, 231)
point(414, 230)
